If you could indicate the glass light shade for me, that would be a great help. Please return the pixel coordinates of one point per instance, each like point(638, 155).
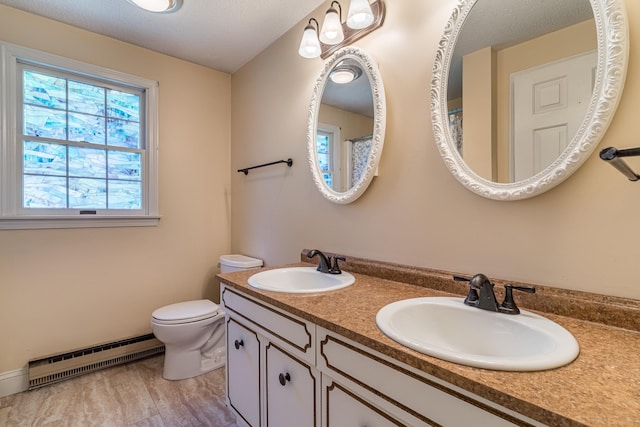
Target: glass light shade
point(331, 32)
point(158, 5)
point(345, 73)
point(342, 77)
point(360, 14)
point(309, 46)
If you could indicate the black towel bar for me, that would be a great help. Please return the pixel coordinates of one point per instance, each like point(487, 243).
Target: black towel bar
point(613, 156)
point(289, 162)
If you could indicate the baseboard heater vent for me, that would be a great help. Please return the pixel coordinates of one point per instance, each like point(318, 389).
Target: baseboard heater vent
point(59, 367)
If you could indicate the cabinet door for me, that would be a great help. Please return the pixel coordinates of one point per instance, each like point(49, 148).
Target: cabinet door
point(292, 388)
point(243, 372)
point(345, 409)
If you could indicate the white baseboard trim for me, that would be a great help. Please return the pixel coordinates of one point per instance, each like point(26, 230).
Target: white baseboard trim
point(12, 382)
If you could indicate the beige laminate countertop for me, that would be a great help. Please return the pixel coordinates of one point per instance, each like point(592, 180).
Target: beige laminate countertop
point(600, 388)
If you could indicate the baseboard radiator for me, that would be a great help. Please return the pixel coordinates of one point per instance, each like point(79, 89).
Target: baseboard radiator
point(59, 367)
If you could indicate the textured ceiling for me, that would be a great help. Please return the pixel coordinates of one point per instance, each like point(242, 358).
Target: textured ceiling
point(220, 34)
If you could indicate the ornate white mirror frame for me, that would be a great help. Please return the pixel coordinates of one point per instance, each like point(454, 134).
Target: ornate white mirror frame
point(370, 70)
point(612, 49)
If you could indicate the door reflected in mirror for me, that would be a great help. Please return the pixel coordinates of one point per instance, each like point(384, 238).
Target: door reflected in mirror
point(520, 84)
point(346, 125)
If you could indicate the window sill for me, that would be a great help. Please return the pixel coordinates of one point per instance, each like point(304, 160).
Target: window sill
point(43, 222)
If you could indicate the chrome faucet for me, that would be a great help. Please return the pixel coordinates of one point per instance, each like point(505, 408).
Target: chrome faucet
point(481, 294)
point(326, 265)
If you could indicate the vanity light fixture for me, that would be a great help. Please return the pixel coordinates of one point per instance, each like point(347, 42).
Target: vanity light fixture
point(362, 19)
point(158, 6)
point(331, 32)
point(360, 14)
point(310, 45)
point(345, 73)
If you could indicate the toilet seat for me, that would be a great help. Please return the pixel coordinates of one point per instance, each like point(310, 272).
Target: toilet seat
point(185, 312)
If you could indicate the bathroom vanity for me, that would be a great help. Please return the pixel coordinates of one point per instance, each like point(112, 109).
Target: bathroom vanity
point(320, 360)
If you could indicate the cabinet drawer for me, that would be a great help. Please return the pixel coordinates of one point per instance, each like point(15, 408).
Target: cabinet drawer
point(424, 398)
point(296, 335)
point(342, 408)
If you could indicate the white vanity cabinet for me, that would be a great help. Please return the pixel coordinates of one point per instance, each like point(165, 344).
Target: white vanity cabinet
point(288, 371)
point(271, 375)
point(391, 393)
point(243, 371)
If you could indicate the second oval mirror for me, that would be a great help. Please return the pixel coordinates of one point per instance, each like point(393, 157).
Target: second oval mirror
point(523, 91)
point(346, 125)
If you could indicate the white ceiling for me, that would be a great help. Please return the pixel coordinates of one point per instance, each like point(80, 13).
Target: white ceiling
point(220, 34)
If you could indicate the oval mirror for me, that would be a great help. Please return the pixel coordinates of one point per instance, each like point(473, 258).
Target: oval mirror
point(523, 91)
point(346, 125)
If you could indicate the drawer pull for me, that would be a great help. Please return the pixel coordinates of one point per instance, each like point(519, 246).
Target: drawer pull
point(283, 378)
point(238, 344)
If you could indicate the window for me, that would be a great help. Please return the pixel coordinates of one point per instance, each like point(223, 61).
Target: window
point(79, 146)
point(328, 154)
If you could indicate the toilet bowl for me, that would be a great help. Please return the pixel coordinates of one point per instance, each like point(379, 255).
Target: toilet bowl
point(193, 336)
point(193, 332)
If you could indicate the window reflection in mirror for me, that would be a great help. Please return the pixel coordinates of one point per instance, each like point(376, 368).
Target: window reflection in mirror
point(346, 125)
point(345, 119)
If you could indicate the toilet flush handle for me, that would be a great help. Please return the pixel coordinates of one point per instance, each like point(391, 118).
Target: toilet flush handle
point(237, 344)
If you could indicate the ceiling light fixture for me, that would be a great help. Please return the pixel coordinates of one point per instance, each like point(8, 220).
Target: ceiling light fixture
point(158, 6)
point(345, 73)
point(362, 19)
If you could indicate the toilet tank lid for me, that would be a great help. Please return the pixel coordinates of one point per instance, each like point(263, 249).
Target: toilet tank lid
point(186, 310)
point(241, 261)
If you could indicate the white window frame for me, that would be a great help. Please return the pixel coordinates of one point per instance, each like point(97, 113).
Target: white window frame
point(12, 216)
point(334, 133)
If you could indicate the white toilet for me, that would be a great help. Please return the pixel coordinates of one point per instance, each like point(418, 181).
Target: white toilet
point(193, 331)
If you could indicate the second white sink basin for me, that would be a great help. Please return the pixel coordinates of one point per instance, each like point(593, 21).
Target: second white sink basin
point(448, 329)
point(300, 280)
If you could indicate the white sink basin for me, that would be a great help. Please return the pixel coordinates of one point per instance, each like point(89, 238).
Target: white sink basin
point(448, 329)
point(300, 280)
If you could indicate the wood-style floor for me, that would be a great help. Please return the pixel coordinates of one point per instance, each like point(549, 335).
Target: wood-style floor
point(134, 394)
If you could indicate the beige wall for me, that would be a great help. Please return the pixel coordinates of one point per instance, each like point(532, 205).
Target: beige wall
point(479, 112)
point(581, 235)
point(352, 125)
point(62, 289)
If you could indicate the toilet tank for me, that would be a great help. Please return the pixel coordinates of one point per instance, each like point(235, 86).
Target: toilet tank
point(231, 263)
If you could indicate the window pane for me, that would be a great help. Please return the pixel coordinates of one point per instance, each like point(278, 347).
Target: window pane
point(44, 159)
point(323, 162)
point(83, 127)
point(125, 165)
point(125, 195)
point(40, 89)
point(86, 193)
point(45, 122)
point(322, 144)
point(123, 134)
point(87, 162)
point(44, 192)
point(123, 105)
point(86, 98)
point(328, 179)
